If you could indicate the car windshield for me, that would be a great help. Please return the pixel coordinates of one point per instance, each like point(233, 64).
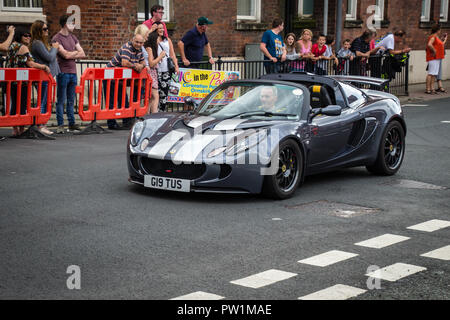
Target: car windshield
point(354, 96)
point(254, 100)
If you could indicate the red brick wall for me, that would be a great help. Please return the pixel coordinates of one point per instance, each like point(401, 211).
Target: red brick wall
point(224, 38)
point(105, 25)
point(403, 15)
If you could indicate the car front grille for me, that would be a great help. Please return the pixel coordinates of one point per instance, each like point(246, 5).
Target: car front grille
point(166, 168)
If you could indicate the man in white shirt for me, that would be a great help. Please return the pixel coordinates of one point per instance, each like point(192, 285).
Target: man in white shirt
point(388, 42)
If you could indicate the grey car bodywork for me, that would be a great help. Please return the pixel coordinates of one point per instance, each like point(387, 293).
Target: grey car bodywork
point(326, 142)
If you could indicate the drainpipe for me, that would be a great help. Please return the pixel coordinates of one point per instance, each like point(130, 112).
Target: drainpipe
point(325, 17)
point(338, 24)
point(146, 9)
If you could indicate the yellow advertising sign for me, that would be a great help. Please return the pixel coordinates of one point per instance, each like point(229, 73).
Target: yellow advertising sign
point(197, 83)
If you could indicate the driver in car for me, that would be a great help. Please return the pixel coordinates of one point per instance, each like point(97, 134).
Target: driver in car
point(268, 97)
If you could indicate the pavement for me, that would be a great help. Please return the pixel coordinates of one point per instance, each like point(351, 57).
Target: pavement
point(417, 93)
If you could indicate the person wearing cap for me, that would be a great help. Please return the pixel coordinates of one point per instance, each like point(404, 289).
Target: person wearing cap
point(193, 43)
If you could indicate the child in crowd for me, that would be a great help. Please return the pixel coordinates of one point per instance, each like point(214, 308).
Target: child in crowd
point(291, 53)
point(346, 56)
point(329, 52)
point(318, 49)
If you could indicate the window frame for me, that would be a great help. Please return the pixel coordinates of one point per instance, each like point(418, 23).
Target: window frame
point(444, 17)
point(300, 10)
point(257, 12)
point(425, 16)
point(380, 3)
point(164, 3)
point(353, 10)
point(20, 9)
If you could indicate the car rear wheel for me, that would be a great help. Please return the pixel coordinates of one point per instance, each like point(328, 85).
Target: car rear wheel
point(391, 150)
point(284, 182)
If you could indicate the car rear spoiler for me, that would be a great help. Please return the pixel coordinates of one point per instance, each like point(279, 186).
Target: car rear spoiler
point(381, 83)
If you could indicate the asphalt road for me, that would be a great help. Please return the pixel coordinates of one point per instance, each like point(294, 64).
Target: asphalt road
point(68, 202)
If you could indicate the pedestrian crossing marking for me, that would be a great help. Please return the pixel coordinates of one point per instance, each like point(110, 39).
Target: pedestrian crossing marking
point(263, 279)
point(395, 272)
point(382, 241)
point(337, 292)
point(431, 226)
point(328, 258)
point(199, 295)
point(441, 254)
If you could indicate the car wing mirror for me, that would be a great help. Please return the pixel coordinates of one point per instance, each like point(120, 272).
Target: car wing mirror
point(331, 110)
point(190, 103)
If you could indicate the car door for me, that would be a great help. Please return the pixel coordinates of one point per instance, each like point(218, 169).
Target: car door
point(330, 136)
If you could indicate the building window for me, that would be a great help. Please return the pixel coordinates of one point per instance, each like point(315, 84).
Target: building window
point(151, 3)
point(444, 11)
point(21, 5)
point(305, 8)
point(379, 14)
point(425, 15)
point(249, 10)
point(351, 9)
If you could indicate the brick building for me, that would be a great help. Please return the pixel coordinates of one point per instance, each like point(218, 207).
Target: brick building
point(107, 24)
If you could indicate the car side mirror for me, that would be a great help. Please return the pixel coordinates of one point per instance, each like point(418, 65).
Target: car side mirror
point(331, 110)
point(190, 104)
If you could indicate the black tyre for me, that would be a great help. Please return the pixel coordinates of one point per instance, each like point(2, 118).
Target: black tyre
point(391, 150)
point(284, 182)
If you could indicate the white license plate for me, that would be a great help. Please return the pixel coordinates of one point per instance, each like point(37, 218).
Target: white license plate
point(165, 183)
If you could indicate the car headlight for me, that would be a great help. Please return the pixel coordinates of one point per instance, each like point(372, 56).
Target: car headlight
point(147, 127)
point(137, 131)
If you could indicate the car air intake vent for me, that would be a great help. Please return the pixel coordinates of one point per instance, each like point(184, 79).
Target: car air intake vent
point(166, 168)
point(357, 133)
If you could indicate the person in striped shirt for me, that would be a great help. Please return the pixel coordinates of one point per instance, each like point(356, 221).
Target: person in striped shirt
point(128, 56)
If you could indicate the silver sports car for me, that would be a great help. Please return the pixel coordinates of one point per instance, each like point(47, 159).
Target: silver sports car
point(266, 135)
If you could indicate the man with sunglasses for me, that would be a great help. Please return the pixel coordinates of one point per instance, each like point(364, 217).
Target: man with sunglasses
point(157, 13)
point(69, 50)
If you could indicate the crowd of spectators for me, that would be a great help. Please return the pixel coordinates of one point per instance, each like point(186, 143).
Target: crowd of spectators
point(151, 48)
point(317, 53)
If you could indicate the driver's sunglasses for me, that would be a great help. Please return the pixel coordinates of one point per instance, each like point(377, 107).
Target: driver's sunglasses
point(27, 35)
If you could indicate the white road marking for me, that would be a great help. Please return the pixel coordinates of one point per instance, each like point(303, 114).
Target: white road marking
point(199, 295)
point(415, 105)
point(431, 226)
point(445, 121)
point(396, 272)
point(441, 254)
point(328, 258)
point(337, 292)
point(263, 279)
point(276, 219)
point(411, 184)
point(382, 241)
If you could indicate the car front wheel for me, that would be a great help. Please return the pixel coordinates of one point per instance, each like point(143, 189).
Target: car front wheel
point(283, 183)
